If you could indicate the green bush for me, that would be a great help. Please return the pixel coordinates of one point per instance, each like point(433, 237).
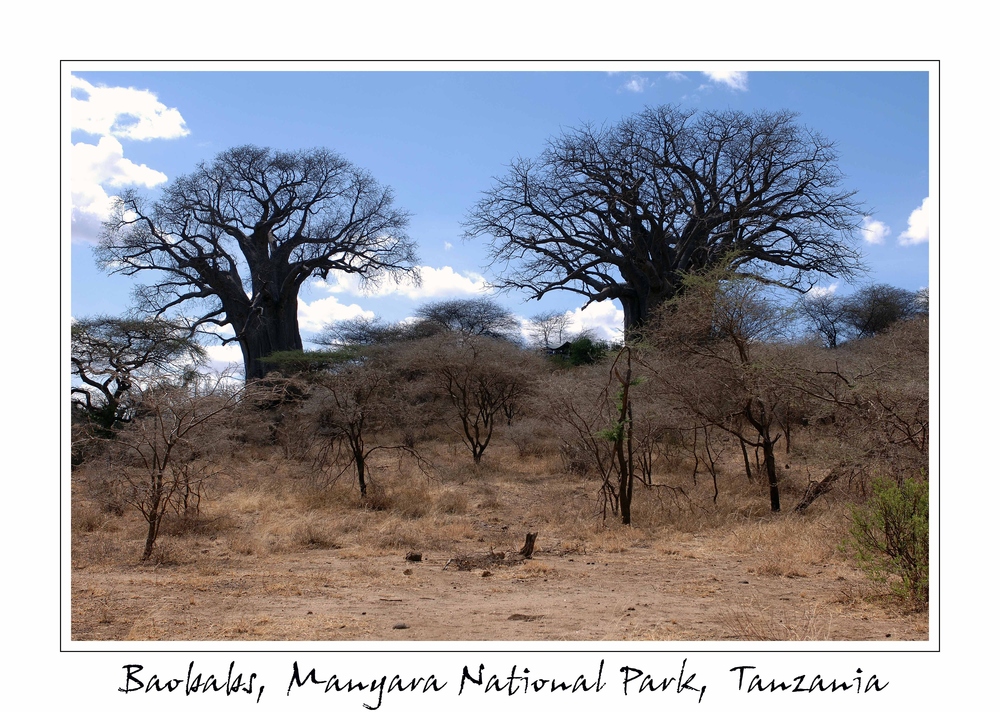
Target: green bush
point(889, 536)
point(584, 351)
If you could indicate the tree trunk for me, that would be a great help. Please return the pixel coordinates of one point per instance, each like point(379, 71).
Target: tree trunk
point(746, 460)
point(529, 545)
point(359, 462)
point(154, 515)
point(772, 472)
point(271, 327)
point(641, 301)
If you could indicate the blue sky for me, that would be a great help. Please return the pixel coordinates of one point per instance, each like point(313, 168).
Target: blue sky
point(438, 137)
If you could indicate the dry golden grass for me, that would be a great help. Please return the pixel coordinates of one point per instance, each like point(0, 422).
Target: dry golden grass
point(267, 506)
point(269, 511)
point(789, 545)
point(752, 619)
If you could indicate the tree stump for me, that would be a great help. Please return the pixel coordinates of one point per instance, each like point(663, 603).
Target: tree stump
point(529, 545)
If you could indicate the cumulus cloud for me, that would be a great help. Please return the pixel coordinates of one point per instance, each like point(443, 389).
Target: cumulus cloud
point(737, 81)
point(602, 319)
point(874, 231)
point(435, 282)
point(918, 227)
point(637, 84)
point(112, 113)
point(124, 112)
point(93, 168)
point(313, 316)
point(224, 356)
point(677, 76)
point(817, 292)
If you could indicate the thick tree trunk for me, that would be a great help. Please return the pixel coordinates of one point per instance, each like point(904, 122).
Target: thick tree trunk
point(529, 545)
point(639, 305)
point(269, 328)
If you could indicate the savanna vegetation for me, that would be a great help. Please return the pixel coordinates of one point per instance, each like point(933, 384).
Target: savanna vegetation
point(742, 466)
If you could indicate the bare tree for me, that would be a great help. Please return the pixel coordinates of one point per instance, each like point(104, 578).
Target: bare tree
point(154, 459)
point(480, 377)
point(720, 335)
point(549, 329)
point(623, 212)
point(356, 403)
point(607, 430)
point(234, 241)
point(113, 358)
point(825, 314)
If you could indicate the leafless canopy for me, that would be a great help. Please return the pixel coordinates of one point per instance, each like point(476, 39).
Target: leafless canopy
point(622, 212)
point(236, 239)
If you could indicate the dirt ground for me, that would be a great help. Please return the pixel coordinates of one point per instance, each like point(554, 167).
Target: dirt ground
point(696, 591)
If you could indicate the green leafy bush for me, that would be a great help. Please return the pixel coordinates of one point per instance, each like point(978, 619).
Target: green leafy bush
point(889, 536)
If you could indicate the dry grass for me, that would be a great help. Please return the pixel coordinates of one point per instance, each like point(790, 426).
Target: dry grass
point(789, 545)
point(752, 619)
point(270, 507)
point(268, 510)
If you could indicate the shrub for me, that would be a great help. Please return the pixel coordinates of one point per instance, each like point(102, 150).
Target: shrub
point(889, 536)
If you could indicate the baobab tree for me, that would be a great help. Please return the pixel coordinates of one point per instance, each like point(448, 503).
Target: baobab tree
point(625, 211)
point(231, 244)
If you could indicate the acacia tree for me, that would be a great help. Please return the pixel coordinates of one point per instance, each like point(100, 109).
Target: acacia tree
point(479, 316)
point(233, 242)
point(112, 357)
point(874, 308)
point(824, 314)
point(623, 212)
point(483, 380)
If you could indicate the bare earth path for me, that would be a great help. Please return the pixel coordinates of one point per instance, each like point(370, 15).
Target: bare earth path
point(692, 593)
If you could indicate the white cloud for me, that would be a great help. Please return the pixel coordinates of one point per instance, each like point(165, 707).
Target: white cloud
point(734, 80)
point(918, 227)
point(603, 319)
point(435, 282)
point(874, 231)
point(112, 113)
point(677, 76)
point(94, 167)
point(448, 245)
point(637, 84)
point(224, 356)
point(124, 112)
point(817, 292)
point(313, 316)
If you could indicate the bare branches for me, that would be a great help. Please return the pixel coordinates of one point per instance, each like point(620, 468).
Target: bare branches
point(622, 212)
point(154, 459)
point(235, 240)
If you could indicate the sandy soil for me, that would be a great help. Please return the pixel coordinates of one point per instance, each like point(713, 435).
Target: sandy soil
point(693, 592)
